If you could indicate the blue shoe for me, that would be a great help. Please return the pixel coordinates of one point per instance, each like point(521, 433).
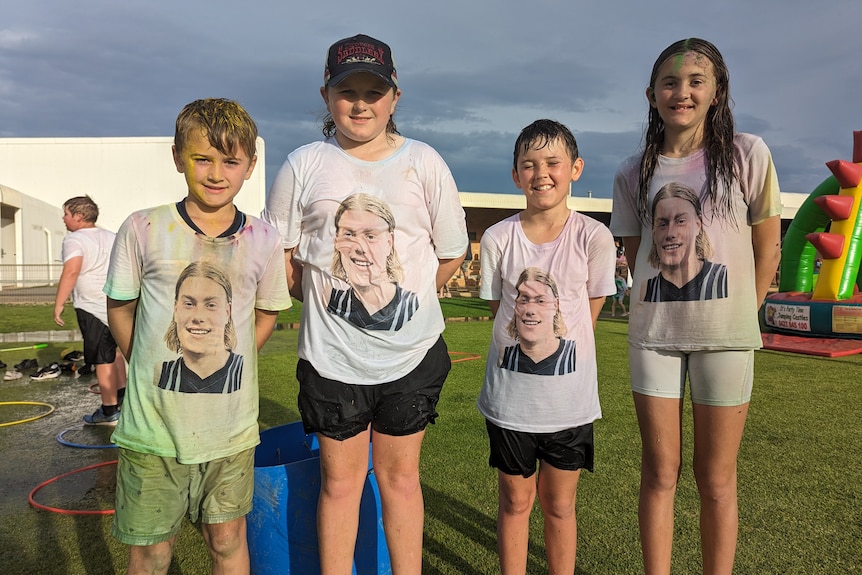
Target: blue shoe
point(99, 418)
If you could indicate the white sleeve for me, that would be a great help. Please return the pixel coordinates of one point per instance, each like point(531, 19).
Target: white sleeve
point(491, 281)
point(282, 209)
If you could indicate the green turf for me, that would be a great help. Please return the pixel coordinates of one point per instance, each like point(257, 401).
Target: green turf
point(798, 476)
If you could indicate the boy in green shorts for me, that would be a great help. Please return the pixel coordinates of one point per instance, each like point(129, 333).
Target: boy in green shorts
point(193, 290)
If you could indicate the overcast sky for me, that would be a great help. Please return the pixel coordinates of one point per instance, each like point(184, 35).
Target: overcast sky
point(473, 72)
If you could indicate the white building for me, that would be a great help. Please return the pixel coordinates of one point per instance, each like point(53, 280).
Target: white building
point(31, 232)
point(122, 175)
point(127, 174)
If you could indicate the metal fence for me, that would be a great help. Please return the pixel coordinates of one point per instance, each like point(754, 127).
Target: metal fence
point(29, 284)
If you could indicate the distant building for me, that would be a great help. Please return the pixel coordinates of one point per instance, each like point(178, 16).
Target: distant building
point(31, 233)
point(122, 175)
point(127, 174)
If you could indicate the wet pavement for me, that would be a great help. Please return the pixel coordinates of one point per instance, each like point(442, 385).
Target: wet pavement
point(31, 453)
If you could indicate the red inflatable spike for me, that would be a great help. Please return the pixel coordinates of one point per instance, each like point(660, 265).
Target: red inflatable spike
point(830, 246)
point(857, 146)
point(847, 173)
point(836, 207)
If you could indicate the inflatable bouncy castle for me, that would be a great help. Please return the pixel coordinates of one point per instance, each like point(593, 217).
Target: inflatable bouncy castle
point(827, 230)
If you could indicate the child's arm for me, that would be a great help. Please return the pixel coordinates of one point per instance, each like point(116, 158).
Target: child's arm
point(264, 324)
point(121, 322)
point(68, 279)
point(447, 269)
point(632, 244)
point(596, 305)
point(294, 275)
point(766, 242)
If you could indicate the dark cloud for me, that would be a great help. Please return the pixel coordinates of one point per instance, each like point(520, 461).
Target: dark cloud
point(473, 73)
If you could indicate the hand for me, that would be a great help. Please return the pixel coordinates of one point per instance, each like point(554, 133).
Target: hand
point(58, 311)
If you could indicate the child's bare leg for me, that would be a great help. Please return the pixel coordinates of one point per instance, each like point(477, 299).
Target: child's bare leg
point(228, 546)
point(343, 468)
point(151, 559)
point(516, 497)
point(557, 494)
point(396, 466)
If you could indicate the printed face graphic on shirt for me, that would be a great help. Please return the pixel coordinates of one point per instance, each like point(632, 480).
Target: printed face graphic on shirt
point(535, 308)
point(202, 332)
point(201, 313)
point(675, 229)
point(680, 250)
point(538, 326)
point(365, 258)
point(364, 241)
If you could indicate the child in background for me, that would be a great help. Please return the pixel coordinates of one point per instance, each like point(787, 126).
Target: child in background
point(372, 359)
point(86, 252)
point(690, 144)
point(545, 273)
point(189, 448)
point(619, 297)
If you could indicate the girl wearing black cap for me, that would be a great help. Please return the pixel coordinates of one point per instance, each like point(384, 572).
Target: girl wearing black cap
point(373, 380)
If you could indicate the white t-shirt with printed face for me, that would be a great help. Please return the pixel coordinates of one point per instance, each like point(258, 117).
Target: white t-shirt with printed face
point(193, 291)
point(370, 310)
point(717, 309)
point(548, 311)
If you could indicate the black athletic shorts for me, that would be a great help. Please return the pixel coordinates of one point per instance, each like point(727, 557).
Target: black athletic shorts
point(99, 344)
point(516, 452)
point(401, 407)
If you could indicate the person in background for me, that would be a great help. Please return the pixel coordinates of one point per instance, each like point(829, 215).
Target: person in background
point(86, 251)
point(619, 297)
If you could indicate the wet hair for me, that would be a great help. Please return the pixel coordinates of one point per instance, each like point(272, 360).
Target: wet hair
point(718, 134)
point(83, 206)
point(365, 202)
point(702, 245)
point(211, 272)
point(226, 124)
point(543, 277)
point(540, 134)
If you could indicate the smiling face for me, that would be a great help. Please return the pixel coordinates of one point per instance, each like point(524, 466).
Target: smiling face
point(684, 90)
point(535, 308)
point(361, 106)
point(201, 313)
point(213, 178)
point(545, 175)
point(364, 243)
point(676, 226)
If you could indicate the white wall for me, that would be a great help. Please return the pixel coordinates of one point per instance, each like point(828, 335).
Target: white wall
point(32, 233)
point(120, 174)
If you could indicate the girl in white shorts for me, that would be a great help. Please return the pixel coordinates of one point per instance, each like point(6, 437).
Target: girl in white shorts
point(698, 210)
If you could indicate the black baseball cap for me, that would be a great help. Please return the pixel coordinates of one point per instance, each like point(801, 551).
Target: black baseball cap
point(359, 53)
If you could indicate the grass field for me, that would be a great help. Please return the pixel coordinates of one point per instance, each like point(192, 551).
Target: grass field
point(800, 495)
